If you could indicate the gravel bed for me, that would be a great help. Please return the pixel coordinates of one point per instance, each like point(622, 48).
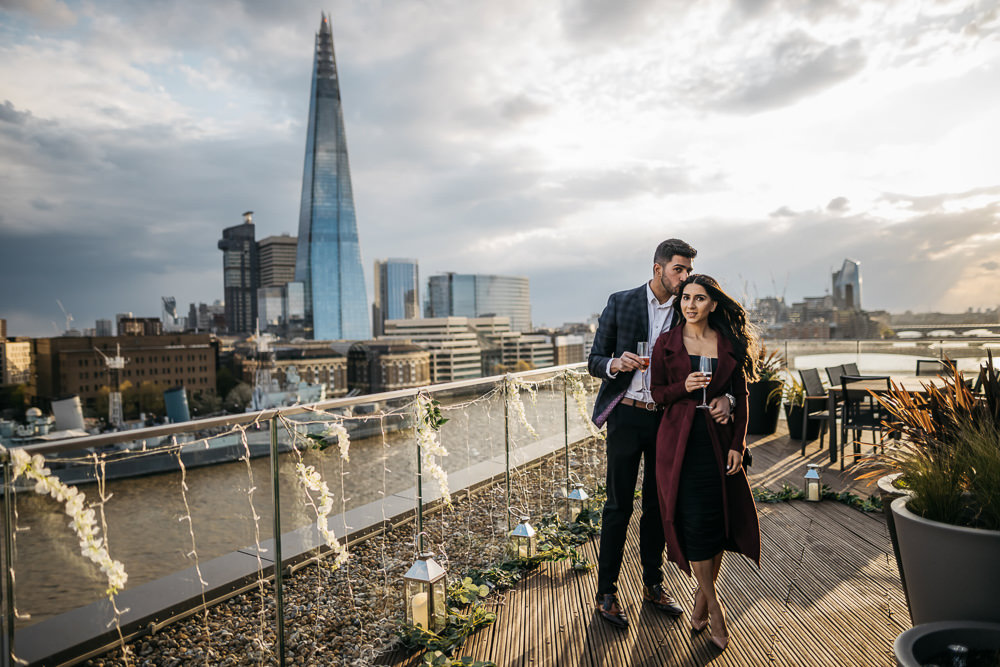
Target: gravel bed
point(349, 616)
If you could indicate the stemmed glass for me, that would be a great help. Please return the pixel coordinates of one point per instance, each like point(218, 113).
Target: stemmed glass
point(705, 368)
point(642, 350)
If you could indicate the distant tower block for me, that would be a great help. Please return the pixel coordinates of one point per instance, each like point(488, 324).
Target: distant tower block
point(847, 286)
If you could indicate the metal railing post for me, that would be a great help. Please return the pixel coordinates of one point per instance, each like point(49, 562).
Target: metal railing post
point(8, 561)
point(420, 493)
point(278, 583)
point(569, 511)
point(506, 444)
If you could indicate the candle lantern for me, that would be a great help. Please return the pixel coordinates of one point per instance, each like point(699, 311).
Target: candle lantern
point(425, 594)
point(814, 483)
point(579, 500)
point(522, 540)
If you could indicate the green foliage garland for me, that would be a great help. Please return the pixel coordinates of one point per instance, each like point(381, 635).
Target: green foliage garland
point(871, 504)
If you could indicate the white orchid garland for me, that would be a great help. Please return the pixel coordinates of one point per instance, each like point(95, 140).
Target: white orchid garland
point(84, 519)
point(343, 439)
point(429, 422)
point(312, 480)
point(579, 394)
point(514, 386)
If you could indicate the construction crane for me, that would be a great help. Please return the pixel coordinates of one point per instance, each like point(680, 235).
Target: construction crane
point(115, 366)
point(69, 318)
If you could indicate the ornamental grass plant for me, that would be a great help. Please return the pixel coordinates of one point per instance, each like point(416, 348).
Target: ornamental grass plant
point(948, 449)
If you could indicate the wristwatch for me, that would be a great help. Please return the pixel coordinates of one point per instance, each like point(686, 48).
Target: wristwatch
point(732, 403)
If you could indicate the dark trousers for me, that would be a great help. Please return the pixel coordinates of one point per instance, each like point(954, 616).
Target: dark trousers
point(631, 437)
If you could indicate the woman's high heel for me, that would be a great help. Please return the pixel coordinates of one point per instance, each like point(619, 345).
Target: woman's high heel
point(698, 624)
point(721, 642)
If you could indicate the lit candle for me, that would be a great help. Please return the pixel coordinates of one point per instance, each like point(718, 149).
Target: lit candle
point(522, 549)
point(813, 491)
point(419, 606)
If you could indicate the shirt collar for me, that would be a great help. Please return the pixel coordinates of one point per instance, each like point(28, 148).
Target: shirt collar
point(654, 302)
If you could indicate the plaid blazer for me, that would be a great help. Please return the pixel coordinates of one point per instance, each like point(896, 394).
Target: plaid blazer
point(624, 322)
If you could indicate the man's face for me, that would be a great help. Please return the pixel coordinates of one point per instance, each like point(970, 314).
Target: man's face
point(673, 273)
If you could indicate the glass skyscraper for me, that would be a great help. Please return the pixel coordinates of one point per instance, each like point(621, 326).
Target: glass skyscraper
point(476, 295)
point(239, 265)
point(396, 292)
point(328, 258)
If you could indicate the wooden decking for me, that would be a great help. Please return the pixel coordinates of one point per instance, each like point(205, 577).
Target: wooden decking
point(827, 593)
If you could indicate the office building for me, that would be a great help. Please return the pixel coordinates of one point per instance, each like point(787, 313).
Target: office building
point(397, 295)
point(239, 265)
point(205, 317)
point(65, 366)
point(103, 328)
point(276, 260)
point(270, 307)
point(377, 366)
point(475, 295)
point(15, 361)
point(455, 353)
point(171, 322)
point(847, 286)
point(138, 326)
point(328, 260)
point(568, 349)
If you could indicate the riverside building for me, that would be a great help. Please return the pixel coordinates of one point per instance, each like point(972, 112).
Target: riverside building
point(239, 267)
point(478, 295)
point(328, 259)
point(397, 295)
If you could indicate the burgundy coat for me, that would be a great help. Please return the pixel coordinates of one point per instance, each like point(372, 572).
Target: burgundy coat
point(669, 366)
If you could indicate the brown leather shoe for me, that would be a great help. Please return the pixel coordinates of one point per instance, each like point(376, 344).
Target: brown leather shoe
point(659, 599)
point(609, 609)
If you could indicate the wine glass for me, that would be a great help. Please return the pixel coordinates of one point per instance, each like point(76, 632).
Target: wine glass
point(705, 368)
point(642, 350)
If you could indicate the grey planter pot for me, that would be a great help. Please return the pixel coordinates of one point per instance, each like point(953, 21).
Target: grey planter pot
point(951, 571)
point(918, 645)
point(889, 493)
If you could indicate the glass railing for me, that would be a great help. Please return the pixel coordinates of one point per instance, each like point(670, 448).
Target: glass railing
point(183, 498)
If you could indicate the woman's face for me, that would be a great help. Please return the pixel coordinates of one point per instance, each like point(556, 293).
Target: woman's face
point(696, 304)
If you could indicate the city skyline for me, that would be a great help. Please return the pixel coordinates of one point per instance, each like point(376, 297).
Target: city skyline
point(558, 142)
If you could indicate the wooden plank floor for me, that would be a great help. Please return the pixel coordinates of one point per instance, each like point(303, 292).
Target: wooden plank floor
point(827, 593)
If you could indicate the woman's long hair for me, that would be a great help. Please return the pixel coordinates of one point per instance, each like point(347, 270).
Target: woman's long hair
point(730, 319)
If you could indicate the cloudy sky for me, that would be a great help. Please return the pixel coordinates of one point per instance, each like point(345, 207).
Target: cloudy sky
point(558, 140)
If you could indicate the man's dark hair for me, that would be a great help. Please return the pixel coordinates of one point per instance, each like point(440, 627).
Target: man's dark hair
point(666, 250)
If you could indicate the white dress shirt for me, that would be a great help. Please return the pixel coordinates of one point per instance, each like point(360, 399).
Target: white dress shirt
point(660, 317)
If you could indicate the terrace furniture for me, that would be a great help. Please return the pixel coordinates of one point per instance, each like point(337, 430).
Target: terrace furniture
point(861, 410)
point(833, 373)
point(933, 368)
point(851, 369)
point(814, 405)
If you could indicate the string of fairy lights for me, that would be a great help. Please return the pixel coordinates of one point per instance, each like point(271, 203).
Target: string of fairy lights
point(319, 430)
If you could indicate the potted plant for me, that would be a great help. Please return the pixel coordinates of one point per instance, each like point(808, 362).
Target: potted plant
point(764, 395)
point(930, 643)
point(794, 398)
point(948, 530)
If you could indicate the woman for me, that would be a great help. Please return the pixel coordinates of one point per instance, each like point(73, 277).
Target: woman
point(705, 499)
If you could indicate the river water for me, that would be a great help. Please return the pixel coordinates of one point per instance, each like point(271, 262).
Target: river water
point(146, 525)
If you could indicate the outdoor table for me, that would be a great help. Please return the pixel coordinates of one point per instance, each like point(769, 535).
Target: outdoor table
point(915, 384)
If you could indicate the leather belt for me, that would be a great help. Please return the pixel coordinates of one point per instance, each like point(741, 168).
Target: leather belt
point(652, 407)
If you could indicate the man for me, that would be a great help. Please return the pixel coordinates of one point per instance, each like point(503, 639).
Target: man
point(625, 404)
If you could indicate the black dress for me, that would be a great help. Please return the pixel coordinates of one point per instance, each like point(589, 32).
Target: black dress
point(700, 518)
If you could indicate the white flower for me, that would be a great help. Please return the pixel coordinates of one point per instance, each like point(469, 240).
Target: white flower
point(430, 445)
point(514, 386)
point(343, 439)
point(312, 480)
point(84, 519)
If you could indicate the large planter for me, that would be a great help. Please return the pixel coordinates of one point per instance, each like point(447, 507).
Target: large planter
point(951, 571)
point(923, 644)
point(888, 493)
point(793, 414)
point(764, 407)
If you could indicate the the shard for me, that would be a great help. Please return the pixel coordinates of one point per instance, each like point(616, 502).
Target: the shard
point(328, 259)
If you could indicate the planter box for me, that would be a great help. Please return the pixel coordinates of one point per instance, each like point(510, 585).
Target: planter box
point(919, 645)
point(793, 413)
point(951, 571)
point(762, 416)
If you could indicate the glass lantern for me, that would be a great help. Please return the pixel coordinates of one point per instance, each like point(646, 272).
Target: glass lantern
point(814, 484)
point(522, 541)
point(579, 500)
point(425, 594)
